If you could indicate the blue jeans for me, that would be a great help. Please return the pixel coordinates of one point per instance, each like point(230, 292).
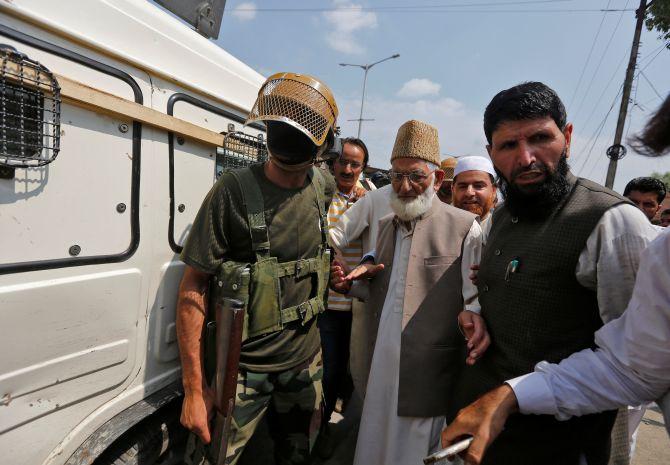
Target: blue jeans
point(335, 329)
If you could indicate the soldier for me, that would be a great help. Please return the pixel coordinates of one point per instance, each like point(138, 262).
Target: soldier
point(268, 220)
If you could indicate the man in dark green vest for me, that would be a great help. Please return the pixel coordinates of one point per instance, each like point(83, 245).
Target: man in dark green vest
point(262, 232)
point(560, 259)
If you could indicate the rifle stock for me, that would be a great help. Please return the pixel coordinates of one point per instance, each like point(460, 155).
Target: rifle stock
point(229, 315)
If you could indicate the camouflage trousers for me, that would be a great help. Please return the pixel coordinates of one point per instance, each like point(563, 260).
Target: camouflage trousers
point(293, 400)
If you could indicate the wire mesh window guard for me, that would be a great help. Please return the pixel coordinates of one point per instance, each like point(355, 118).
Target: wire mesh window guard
point(239, 150)
point(29, 111)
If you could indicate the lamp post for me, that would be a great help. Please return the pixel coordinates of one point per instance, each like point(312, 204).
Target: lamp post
point(366, 68)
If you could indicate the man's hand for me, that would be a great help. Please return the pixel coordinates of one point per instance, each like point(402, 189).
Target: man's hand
point(474, 330)
point(364, 271)
point(484, 419)
point(196, 412)
point(338, 283)
point(341, 282)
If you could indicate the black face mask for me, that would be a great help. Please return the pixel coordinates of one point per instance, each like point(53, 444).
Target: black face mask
point(288, 144)
point(539, 201)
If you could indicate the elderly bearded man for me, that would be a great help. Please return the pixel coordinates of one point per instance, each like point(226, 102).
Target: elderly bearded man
point(417, 294)
point(560, 259)
point(474, 187)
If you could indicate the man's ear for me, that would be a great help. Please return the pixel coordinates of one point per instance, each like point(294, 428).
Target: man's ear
point(439, 177)
point(567, 133)
point(488, 149)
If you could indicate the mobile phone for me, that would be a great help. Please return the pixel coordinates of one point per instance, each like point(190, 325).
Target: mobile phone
point(450, 451)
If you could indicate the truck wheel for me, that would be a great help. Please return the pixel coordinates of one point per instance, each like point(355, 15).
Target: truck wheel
point(158, 440)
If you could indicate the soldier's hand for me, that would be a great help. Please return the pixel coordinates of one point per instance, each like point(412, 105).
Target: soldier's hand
point(364, 271)
point(196, 412)
point(474, 329)
point(338, 283)
point(484, 419)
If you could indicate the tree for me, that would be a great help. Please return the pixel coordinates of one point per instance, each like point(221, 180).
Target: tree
point(663, 177)
point(658, 17)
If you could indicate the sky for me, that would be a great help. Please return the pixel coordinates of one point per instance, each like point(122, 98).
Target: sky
point(455, 55)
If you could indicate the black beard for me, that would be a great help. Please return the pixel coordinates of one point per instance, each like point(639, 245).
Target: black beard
point(541, 200)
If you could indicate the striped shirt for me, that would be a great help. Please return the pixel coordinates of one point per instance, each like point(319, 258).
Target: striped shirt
point(352, 253)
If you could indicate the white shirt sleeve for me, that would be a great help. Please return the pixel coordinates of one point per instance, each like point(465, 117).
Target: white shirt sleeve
point(611, 257)
point(472, 253)
point(632, 363)
point(352, 223)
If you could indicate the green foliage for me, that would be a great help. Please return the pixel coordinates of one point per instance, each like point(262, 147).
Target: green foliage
point(663, 177)
point(658, 18)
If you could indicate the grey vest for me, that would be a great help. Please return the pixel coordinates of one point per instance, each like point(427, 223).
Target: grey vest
point(535, 309)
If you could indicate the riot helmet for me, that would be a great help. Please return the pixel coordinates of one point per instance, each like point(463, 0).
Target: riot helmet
point(299, 113)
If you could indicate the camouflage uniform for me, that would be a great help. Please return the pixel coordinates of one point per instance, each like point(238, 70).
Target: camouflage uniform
point(293, 401)
point(280, 372)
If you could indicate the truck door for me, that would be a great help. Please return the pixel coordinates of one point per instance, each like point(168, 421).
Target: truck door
point(71, 276)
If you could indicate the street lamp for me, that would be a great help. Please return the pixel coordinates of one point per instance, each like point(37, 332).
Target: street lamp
point(365, 79)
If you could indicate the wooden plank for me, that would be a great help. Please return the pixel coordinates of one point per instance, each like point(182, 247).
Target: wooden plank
point(99, 101)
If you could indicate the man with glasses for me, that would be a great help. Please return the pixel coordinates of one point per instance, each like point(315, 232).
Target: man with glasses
point(417, 292)
point(335, 322)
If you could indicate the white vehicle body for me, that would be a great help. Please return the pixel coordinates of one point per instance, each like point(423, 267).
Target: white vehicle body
point(87, 342)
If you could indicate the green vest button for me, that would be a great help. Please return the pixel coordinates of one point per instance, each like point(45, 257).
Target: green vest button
point(497, 252)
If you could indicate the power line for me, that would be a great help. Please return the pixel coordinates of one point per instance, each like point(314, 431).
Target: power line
point(597, 132)
point(602, 94)
point(588, 58)
point(602, 57)
point(650, 84)
point(656, 52)
point(454, 8)
point(402, 7)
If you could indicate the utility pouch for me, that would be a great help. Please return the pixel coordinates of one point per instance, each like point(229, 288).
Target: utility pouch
point(264, 298)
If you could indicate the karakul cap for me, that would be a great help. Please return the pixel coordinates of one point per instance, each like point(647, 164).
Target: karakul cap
point(448, 165)
point(417, 139)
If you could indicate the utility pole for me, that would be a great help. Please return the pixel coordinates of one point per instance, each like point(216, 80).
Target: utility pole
point(617, 151)
point(366, 68)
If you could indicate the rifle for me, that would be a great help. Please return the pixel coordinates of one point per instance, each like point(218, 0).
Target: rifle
point(229, 318)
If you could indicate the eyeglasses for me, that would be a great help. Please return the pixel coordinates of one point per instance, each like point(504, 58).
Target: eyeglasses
point(415, 177)
point(354, 164)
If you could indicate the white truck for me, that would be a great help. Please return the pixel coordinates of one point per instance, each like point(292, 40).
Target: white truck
point(115, 118)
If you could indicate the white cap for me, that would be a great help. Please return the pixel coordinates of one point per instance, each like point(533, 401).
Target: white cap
point(474, 163)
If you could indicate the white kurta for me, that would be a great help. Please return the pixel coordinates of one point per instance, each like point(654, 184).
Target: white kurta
point(384, 438)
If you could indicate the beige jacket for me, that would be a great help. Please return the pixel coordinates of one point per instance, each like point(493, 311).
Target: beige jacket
point(432, 348)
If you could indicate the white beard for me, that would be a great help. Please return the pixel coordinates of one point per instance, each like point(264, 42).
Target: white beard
point(408, 210)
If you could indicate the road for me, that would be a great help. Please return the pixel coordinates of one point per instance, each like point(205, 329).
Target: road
point(653, 444)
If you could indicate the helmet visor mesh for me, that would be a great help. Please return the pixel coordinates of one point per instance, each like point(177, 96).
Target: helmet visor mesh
point(295, 103)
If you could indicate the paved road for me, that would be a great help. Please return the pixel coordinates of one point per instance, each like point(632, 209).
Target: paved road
point(653, 444)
